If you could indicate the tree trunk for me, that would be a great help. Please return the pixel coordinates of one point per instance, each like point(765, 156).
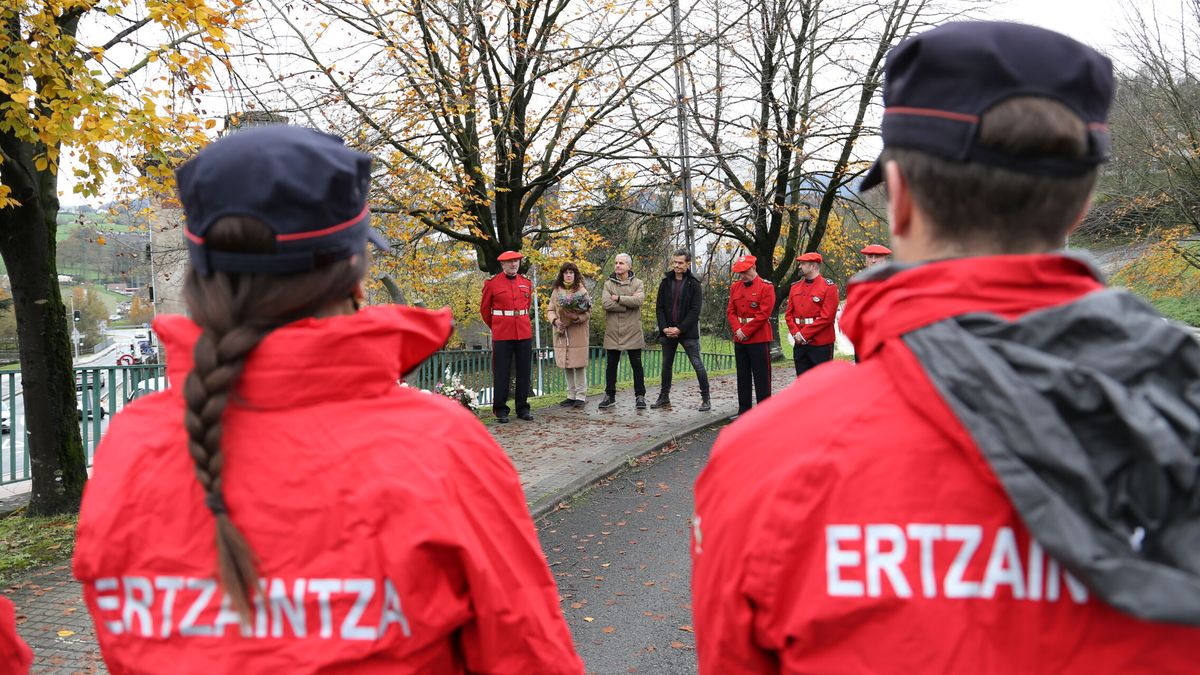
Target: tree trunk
point(27, 244)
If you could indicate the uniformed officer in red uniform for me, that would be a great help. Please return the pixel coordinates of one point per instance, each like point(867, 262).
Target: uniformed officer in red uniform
point(751, 300)
point(15, 655)
point(505, 309)
point(875, 254)
point(1005, 484)
point(812, 308)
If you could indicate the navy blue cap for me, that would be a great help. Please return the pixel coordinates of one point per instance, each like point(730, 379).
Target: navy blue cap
point(938, 84)
point(307, 186)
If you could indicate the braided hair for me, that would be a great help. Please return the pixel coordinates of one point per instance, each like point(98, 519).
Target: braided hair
point(235, 312)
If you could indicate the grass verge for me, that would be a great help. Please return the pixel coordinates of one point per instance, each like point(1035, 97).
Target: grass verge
point(1166, 281)
point(30, 543)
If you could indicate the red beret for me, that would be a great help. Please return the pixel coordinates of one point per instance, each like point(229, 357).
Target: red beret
point(509, 255)
point(744, 263)
point(876, 249)
point(810, 257)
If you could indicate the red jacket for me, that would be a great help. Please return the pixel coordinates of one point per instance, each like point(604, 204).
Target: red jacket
point(749, 310)
point(812, 307)
point(850, 525)
point(505, 307)
point(15, 655)
point(390, 530)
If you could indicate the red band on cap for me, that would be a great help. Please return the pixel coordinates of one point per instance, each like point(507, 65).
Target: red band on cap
point(197, 239)
point(321, 233)
point(932, 112)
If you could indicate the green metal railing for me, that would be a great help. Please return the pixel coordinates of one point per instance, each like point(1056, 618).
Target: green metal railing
point(101, 392)
point(474, 367)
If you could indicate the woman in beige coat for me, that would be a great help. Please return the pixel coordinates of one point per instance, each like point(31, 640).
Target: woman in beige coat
point(622, 300)
point(568, 311)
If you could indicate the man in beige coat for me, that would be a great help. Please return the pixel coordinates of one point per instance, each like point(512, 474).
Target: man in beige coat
point(622, 299)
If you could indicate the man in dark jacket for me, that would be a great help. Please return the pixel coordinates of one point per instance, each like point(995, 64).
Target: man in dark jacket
point(1007, 482)
point(679, 300)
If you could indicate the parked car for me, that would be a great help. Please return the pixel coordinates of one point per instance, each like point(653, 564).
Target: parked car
point(89, 380)
point(5, 425)
point(91, 412)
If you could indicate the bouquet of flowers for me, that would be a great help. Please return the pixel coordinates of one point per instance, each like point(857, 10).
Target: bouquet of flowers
point(573, 307)
point(452, 387)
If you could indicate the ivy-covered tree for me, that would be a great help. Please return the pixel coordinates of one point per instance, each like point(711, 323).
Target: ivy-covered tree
point(94, 80)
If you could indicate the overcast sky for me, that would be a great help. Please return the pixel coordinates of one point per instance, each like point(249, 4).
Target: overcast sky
point(1094, 22)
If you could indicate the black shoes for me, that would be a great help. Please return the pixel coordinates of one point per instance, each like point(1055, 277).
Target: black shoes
point(640, 403)
point(525, 415)
point(579, 403)
point(662, 402)
point(502, 419)
point(567, 402)
point(608, 402)
point(705, 405)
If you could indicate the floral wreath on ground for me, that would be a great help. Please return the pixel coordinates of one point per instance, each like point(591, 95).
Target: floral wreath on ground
point(451, 387)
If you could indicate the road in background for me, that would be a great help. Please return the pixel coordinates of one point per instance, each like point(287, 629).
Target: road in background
point(112, 396)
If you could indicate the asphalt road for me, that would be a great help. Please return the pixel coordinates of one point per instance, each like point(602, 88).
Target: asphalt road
point(620, 556)
point(111, 398)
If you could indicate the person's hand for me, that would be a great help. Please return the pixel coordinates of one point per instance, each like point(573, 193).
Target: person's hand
point(740, 335)
point(616, 298)
point(558, 324)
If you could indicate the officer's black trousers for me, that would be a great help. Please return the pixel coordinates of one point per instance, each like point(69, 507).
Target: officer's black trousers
point(753, 370)
point(503, 354)
point(809, 356)
point(692, 348)
point(610, 372)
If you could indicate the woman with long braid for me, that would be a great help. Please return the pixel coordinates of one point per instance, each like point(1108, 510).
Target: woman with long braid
point(285, 506)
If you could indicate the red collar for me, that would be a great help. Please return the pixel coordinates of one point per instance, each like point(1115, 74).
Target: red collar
point(897, 300)
point(312, 360)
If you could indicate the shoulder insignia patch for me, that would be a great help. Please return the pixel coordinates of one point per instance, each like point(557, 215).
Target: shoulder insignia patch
point(829, 281)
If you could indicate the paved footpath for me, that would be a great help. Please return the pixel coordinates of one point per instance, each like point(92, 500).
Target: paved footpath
point(559, 454)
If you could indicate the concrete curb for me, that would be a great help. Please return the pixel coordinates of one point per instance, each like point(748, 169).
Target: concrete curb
point(619, 457)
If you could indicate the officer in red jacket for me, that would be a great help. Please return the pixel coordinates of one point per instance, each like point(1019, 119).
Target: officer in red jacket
point(751, 300)
point(285, 506)
point(812, 308)
point(1006, 482)
point(15, 655)
point(505, 309)
point(875, 254)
